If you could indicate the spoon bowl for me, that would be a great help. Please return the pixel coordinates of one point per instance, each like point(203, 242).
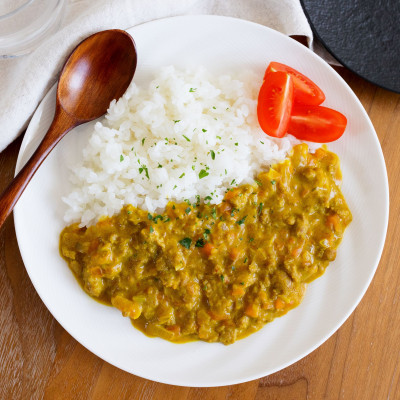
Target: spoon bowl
point(98, 71)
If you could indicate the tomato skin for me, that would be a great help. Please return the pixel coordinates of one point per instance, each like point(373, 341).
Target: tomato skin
point(316, 123)
point(275, 101)
point(305, 90)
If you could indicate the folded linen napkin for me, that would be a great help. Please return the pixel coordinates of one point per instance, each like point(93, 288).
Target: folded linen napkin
point(25, 80)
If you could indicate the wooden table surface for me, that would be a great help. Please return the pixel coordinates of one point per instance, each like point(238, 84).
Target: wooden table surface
point(39, 359)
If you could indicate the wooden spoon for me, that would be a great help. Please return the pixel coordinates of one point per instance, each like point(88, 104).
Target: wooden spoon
point(99, 70)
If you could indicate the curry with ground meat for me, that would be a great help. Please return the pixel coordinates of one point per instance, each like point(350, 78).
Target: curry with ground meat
point(217, 272)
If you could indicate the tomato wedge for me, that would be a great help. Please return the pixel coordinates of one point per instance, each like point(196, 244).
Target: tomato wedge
point(275, 101)
point(305, 90)
point(316, 123)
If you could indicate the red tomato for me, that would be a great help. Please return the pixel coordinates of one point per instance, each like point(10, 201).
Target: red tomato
point(275, 102)
point(305, 90)
point(316, 123)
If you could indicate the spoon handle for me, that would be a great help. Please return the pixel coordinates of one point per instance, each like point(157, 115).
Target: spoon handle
point(62, 123)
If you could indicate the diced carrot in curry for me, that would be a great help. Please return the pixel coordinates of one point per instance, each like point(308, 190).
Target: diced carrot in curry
point(279, 304)
point(207, 249)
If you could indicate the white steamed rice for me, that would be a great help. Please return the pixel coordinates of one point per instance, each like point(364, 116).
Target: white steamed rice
point(187, 134)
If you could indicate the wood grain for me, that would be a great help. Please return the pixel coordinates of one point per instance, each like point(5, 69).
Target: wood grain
point(38, 359)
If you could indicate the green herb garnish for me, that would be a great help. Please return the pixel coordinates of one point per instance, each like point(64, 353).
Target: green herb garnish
point(200, 243)
point(186, 138)
point(157, 217)
point(146, 171)
point(186, 242)
point(241, 221)
point(203, 173)
point(212, 154)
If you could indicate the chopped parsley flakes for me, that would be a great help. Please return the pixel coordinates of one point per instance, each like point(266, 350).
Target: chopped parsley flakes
point(157, 217)
point(146, 171)
point(186, 242)
point(241, 221)
point(203, 173)
point(200, 243)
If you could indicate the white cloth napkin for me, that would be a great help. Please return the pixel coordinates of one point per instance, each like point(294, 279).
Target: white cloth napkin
point(25, 80)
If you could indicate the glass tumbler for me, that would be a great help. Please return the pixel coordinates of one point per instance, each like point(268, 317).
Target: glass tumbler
point(25, 23)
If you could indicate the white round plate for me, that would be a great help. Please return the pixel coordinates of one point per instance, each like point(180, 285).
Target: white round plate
point(222, 45)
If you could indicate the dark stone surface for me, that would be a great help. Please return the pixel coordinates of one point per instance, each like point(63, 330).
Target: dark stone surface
point(363, 35)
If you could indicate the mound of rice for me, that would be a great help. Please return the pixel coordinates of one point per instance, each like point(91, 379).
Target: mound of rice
point(187, 134)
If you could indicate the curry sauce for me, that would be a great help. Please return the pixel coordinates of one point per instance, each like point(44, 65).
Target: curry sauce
point(217, 272)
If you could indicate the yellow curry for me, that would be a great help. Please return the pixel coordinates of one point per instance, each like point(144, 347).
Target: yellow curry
point(217, 272)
